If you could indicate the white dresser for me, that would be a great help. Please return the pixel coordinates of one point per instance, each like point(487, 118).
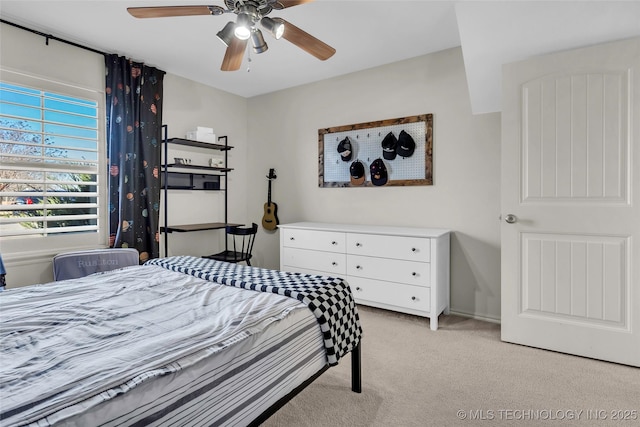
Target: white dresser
point(397, 268)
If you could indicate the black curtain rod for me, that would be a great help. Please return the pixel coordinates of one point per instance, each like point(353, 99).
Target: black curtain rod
point(52, 37)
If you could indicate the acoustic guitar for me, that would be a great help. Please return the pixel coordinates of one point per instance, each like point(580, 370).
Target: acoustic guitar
point(270, 218)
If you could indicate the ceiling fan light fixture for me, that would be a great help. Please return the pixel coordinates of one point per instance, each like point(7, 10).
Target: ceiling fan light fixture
point(276, 29)
point(243, 26)
point(226, 34)
point(236, 35)
point(259, 45)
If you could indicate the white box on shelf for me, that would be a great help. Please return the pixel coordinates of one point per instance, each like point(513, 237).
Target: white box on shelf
point(202, 134)
point(215, 162)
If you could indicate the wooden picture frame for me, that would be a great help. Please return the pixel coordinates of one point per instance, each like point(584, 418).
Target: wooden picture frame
point(366, 141)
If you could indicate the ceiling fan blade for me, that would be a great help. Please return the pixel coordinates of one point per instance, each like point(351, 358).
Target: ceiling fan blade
point(282, 4)
point(167, 11)
point(234, 54)
point(306, 41)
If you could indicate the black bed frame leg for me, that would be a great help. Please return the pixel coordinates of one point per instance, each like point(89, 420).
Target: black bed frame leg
point(356, 369)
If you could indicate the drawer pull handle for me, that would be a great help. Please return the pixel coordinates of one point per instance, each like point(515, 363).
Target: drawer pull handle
point(334, 263)
point(358, 267)
point(413, 298)
point(334, 243)
point(414, 250)
point(359, 289)
point(292, 238)
point(358, 245)
point(414, 274)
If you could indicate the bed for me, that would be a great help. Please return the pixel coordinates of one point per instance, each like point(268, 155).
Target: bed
point(178, 341)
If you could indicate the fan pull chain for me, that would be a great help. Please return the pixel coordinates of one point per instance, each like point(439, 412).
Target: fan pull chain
point(248, 60)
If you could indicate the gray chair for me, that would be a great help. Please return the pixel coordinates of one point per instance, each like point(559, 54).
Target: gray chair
point(71, 265)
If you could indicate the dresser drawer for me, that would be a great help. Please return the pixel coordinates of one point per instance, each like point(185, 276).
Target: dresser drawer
point(332, 263)
point(309, 271)
point(394, 294)
point(392, 270)
point(328, 241)
point(399, 247)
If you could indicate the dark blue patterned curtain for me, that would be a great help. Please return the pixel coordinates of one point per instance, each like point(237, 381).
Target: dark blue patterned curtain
point(134, 135)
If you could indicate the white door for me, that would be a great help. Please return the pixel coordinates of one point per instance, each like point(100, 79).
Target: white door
point(571, 202)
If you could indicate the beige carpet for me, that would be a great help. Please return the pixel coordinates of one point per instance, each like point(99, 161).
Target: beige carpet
point(462, 375)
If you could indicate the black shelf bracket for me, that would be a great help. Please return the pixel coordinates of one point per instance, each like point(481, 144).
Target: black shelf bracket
point(165, 172)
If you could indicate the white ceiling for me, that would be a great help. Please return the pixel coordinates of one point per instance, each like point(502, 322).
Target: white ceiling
point(365, 33)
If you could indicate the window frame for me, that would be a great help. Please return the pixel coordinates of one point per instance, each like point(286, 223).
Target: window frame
point(55, 243)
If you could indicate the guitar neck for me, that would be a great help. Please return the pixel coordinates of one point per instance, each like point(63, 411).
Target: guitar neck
point(269, 193)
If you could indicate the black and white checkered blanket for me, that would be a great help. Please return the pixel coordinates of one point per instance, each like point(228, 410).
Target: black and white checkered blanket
point(329, 298)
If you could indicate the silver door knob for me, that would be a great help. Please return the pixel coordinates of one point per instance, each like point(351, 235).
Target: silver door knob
point(511, 219)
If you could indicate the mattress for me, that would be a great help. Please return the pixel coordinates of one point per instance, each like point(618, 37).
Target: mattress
point(148, 346)
point(329, 298)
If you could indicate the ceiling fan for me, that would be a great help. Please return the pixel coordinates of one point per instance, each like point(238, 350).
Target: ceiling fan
point(235, 35)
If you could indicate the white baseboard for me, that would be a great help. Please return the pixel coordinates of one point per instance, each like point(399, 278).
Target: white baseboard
point(475, 316)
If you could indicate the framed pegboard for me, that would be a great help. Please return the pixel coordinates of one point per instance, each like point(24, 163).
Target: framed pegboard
point(366, 143)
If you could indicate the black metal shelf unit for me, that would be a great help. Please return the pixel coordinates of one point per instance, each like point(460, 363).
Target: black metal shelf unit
point(193, 177)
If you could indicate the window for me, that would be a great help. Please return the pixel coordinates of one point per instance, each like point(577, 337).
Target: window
point(50, 162)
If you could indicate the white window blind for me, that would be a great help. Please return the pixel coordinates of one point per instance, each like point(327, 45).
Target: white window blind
point(49, 162)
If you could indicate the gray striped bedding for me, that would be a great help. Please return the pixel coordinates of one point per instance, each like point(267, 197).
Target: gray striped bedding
point(148, 346)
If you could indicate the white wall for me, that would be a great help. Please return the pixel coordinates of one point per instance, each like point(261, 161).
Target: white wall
point(280, 131)
point(283, 134)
